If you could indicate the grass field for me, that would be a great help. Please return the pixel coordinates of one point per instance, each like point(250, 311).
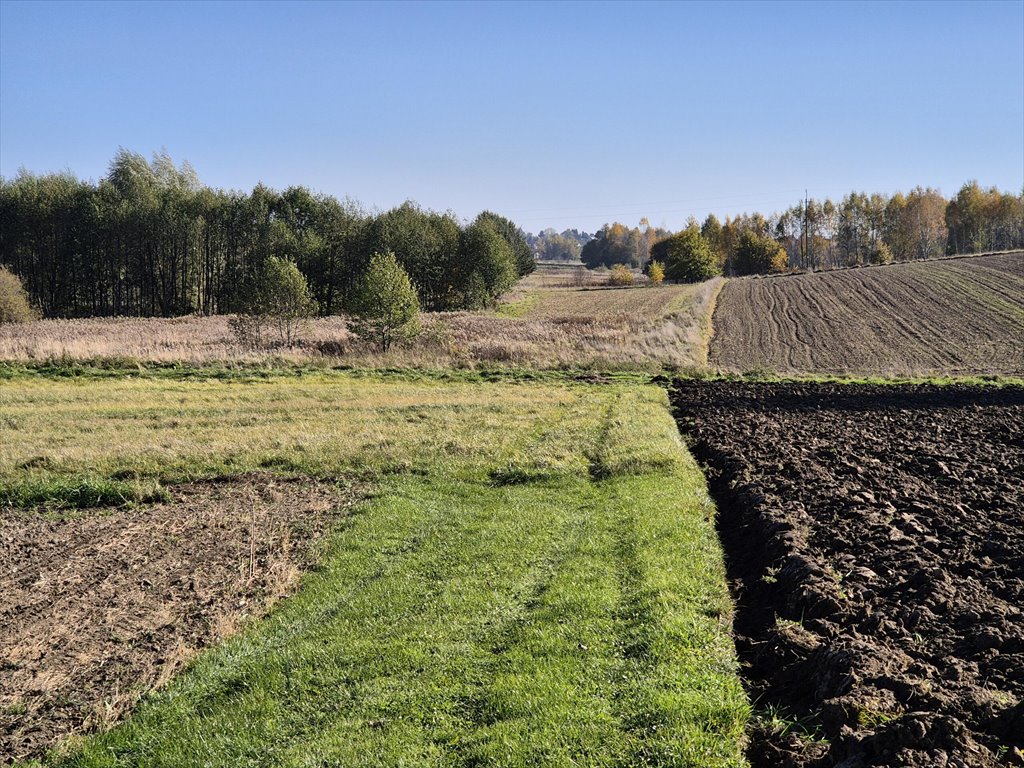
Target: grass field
point(535, 581)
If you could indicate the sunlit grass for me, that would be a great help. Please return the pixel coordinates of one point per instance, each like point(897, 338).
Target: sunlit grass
point(535, 581)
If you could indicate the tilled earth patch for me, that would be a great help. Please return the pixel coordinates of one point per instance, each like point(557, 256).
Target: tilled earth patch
point(875, 543)
point(98, 608)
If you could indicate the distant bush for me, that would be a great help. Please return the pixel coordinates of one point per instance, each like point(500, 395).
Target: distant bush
point(687, 257)
point(759, 255)
point(620, 275)
point(14, 303)
point(881, 254)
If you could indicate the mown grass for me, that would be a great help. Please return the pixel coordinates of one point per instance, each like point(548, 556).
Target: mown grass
point(536, 580)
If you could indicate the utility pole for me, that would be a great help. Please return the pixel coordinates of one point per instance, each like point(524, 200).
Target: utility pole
point(803, 231)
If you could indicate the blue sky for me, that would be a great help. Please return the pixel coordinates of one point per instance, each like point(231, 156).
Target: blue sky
point(555, 114)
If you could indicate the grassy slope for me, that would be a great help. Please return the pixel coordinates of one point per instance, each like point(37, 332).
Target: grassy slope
point(537, 582)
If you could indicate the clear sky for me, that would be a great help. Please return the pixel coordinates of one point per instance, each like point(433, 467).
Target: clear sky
point(554, 114)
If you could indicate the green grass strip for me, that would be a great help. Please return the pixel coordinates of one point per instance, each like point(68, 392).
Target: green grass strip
point(536, 580)
point(560, 623)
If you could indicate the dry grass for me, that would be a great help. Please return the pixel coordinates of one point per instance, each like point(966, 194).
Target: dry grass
point(644, 326)
point(159, 339)
point(319, 424)
point(643, 302)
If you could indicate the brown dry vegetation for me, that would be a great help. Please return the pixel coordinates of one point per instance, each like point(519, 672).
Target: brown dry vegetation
point(640, 326)
point(98, 609)
point(954, 316)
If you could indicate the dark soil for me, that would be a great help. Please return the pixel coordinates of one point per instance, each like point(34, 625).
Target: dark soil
point(96, 610)
point(875, 542)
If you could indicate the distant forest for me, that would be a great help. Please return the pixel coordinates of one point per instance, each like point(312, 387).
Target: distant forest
point(150, 240)
point(550, 245)
point(860, 229)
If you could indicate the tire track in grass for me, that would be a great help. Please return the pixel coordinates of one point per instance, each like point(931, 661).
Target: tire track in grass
point(546, 699)
point(434, 654)
point(545, 693)
point(242, 678)
point(532, 556)
point(393, 661)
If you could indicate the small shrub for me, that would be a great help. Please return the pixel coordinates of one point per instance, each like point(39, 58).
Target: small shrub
point(439, 335)
point(656, 272)
point(331, 348)
point(275, 296)
point(248, 330)
point(14, 303)
point(620, 275)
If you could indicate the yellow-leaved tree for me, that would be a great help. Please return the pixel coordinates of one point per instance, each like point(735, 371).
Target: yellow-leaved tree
point(620, 275)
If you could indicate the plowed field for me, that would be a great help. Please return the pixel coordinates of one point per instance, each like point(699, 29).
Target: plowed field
point(962, 316)
point(875, 543)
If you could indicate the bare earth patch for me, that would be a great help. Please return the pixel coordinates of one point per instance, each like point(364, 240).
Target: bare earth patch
point(873, 536)
point(98, 609)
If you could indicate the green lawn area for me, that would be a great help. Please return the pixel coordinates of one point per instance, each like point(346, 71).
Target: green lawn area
point(536, 579)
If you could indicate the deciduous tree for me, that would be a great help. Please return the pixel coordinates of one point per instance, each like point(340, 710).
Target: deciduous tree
point(386, 308)
point(656, 272)
point(759, 254)
point(687, 256)
point(276, 295)
point(14, 304)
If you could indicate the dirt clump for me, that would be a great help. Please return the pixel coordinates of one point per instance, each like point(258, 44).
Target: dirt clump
point(874, 537)
point(98, 608)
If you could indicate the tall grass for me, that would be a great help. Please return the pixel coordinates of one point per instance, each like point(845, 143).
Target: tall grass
point(640, 327)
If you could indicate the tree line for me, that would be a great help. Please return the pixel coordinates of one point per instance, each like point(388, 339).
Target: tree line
point(149, 239)
point(859, 229)
point(550, 245)
point(618, 244)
